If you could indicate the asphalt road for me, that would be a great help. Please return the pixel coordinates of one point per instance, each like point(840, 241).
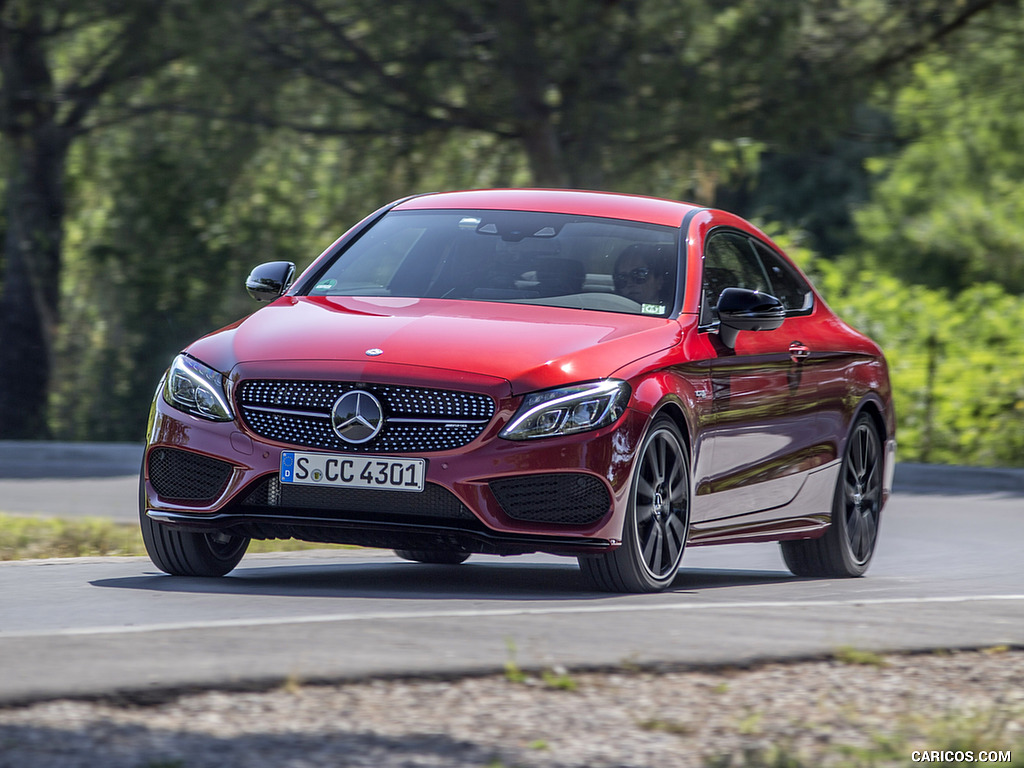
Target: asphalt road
point(947, 574)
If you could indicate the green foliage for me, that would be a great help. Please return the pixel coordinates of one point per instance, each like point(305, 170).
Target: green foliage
point(849, 655)
point(815, 187)
point(153, 226)
point(558, 679)
point(958, 738)
point(948, 210)
point(513, 672)
point(257, 131)
point(955, 362)
point(30, 537)
point(170, 218)
point(26, 538)
point(595, 94)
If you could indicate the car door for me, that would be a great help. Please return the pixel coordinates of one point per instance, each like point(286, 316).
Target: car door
point(763, 434)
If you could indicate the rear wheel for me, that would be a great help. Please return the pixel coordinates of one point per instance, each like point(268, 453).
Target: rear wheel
point(185, 553)
point(657, 520)
point(848, 544)
point(433, 556)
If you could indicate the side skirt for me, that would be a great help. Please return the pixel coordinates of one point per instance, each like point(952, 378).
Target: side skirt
point(807, 516)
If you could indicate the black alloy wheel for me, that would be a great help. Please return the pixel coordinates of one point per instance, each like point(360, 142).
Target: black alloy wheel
point(188, 553)
point(657, 521)
point(847, 547)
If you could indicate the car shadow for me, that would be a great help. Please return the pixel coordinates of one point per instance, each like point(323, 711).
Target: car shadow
point(416, 581)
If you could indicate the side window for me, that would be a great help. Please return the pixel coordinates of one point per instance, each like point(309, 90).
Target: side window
point(786, 284)
point(734, 260)
point(729, 262)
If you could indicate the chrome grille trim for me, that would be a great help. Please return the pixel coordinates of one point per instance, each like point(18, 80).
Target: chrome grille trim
point(290, 412)
point(417, 419)
point(447, 422)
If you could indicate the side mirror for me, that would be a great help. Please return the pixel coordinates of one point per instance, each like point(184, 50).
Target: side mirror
point(268, 281)
point(740, 309)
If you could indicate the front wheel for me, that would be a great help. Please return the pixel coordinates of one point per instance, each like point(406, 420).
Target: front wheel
point(657, 519)
point(185, 553)
point(847, 546)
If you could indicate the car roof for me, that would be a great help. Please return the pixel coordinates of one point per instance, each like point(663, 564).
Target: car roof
point(650, 210)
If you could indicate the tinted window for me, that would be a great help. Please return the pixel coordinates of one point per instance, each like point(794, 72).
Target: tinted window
point(734, 260)
point(507, 256)
point(786, 283)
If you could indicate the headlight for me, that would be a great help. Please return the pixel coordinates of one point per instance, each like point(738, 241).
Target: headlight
point(197, 389)
point(569, 410)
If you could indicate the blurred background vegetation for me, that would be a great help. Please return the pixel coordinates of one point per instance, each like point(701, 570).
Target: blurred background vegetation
point(154, 150)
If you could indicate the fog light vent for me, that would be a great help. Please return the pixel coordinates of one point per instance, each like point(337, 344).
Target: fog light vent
point(567, 498)
point(187, 476)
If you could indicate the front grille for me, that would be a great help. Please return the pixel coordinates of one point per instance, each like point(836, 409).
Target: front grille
point(187, 476)
point(433, 502)
point(568, 498)
point(416, 419)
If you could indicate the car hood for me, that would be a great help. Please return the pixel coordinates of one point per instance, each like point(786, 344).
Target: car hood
point(531, 347)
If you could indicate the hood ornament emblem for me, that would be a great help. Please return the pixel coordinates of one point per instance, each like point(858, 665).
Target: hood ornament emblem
point(357, 416)
point(375, 352)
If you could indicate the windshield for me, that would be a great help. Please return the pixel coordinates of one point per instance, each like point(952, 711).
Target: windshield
point(511, 256)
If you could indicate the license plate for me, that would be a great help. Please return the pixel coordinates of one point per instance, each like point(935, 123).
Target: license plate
point(380, 473)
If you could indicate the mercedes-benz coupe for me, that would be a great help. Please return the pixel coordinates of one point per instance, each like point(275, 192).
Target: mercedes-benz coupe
point(609, 377)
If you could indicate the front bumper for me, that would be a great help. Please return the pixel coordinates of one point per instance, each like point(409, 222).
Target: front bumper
point(563, 495)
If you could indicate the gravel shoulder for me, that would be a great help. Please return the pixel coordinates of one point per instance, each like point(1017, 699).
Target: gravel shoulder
point(812, 713)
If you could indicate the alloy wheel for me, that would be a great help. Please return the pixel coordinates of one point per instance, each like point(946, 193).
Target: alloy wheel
point(862, 492)
point(661, 502)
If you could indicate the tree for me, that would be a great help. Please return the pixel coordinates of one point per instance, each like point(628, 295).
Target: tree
point(955, 361)
point(598, 92)
point(603, 93)
point(948, 208)
point(50, 90)
point(170, 213)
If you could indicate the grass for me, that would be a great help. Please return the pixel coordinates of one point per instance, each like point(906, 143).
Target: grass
point(27, 538)
point(957, 741)
point(850, 655)
point(556, 679)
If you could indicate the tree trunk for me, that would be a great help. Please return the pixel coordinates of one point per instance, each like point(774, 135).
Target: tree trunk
point(37, 150)
point(524, 67)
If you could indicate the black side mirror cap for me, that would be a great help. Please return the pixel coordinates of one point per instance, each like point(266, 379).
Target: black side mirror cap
point(269, 281)
point(740, 309)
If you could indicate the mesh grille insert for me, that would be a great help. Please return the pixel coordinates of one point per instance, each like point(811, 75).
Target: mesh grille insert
point(433, 502)
point(569, 498)
point(416, 419)
point(187, 476)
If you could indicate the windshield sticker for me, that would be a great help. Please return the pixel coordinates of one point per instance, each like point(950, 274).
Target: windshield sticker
point(325, 285)
point(653, 309)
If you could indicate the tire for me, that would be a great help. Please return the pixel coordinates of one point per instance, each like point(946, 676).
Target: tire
point(849, 543)
point(657, 518)
point(184, 553)
point(433, 556)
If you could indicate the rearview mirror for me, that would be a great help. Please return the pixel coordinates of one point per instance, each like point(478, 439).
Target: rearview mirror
point(268, 281)
point(740, 309)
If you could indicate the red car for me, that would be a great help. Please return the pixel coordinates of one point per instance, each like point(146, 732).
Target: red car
point(510, 371)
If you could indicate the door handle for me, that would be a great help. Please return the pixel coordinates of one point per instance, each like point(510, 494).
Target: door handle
point(799, 351)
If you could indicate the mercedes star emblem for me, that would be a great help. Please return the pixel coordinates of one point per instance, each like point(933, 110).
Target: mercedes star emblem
point(357, 416)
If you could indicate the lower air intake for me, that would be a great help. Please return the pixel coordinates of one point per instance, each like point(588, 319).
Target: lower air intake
point(186, 476)
point(567, 498)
